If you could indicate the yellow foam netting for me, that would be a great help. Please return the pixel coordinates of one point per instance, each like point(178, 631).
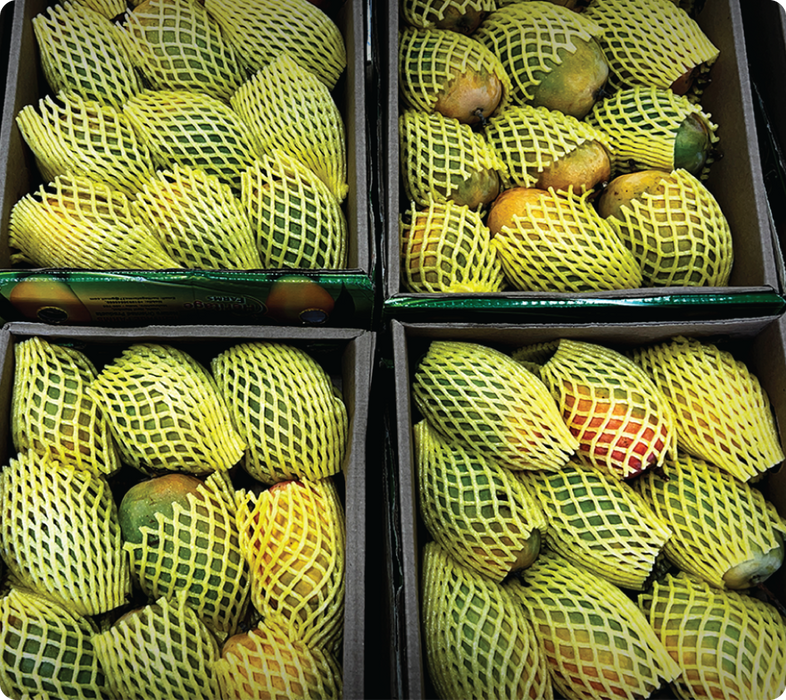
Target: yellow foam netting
point(60, 535)
point(84, 137)
point(47, 650)
point(560, 243)
point(722, 412)
point(198, 219)
point(81, 51)
point(597, 643)
point(717, 521)
point(111, 9)
point(51, 411)
point(478, 512)
point(446, 247)
point(260, 32)
point(529, 139)
point(192, 128)
point(176, 45)
point(642, 122)
point(162, 651)
point(166, 412)
point(426, 14)
point(297, 221)
point(529, 38)
point(623, 423)
point(288, 108)
point(485, 401)
point(650, 42)
point(429, 61)
point(728, 645)
point(679, 234)
point(76, 222)
point(600, 524)
point(293, 537)
point(477, 640)
point(286, 408)
point(197, 551)
point(266, 663)
point(445, 160)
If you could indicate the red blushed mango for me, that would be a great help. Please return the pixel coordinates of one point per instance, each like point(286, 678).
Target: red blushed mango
point(470, 97)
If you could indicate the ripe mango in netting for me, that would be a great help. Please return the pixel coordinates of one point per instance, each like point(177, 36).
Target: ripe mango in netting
point(462, 16)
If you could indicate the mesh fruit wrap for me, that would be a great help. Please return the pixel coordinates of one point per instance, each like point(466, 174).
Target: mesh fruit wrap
point(268, 664)
point(529, 37)
point(597, 643)
point(297, 221)
point(175, 45)
point(60, 534)
point(679, 234)
point(166, 412)
point(722, 412)
point(561, 244)
point(295, 26)
point(111, 9)
point(477, 640)
point(485, 401)
point(84, 137)
point(288, 108)
point(429, 60)
point(446, 247)
point(162, 651)
point(478, 512)
point(650, 42)
point(192, 128)
point(717, 521)
point(78, 223)
point(293, 537)
point(81, 51)
point(51, 411)
point(642, 122)
point(47, 650)
point(285, 407)
point(443, 159)
point(622, 421)
point(529, 139)
point(729, 645)
point(198, 219)
point(600, 524)
point(425, 14)
point(197, 551)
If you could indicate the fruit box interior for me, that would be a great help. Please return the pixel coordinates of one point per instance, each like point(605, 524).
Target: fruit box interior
point(346, 354)
point(735, 180)
point(126, 298)
point(761, 344)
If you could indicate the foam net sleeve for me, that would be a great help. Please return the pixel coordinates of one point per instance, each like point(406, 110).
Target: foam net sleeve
point(77, 223)
point(198, 219)
point(561, 244)
point(81, 51)
point(486, 401)
point(297, 222)
point(60, 535)
point(478, 512)
point(293, 537)
point(477, 640)
point(51, 411)
point(446, 247)
point(69, 134)
point(272, 665)
point(727, 644)
point(288, 108)
point(166, 412)
point(47, 650)
point(722, 412)
point(111, 9)
point(425, 14)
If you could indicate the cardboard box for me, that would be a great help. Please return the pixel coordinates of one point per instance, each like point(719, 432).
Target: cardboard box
point(347, 356)
point(735, 180)
point(761, 343)
point(128, 298)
